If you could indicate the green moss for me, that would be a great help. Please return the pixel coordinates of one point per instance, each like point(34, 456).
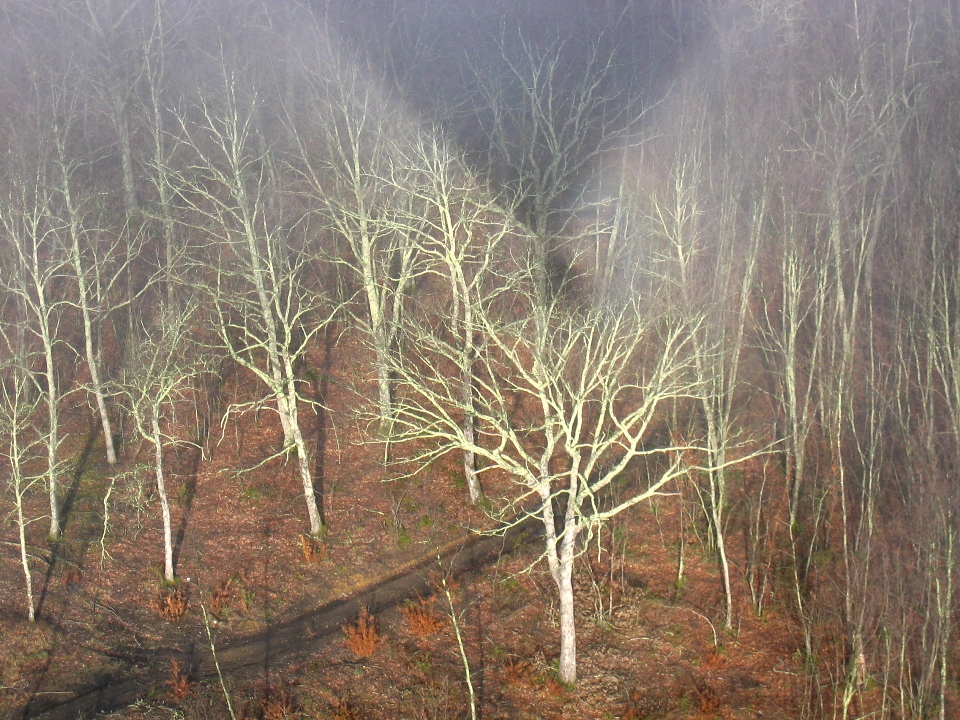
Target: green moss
point(252, 492)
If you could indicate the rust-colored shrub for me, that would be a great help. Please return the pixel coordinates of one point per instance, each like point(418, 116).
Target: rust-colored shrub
point(342, 709)
point(422, 620)
point(272, 702)
point(313, 550)
point(228, 593)
point(169, 605)
point(179, 683)
point(708, 698)
point(362, 637)
point(516, 671)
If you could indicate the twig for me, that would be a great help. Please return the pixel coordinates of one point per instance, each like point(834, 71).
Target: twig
point(456, 630)
point(106, 524)
point(216, 663)
point(713, 629)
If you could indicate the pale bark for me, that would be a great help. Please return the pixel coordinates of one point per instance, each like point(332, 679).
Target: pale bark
point(19, 441)
point(567, 667)
point(24, 559)
point(587, 408)
point(366, 190)
point(463, 231)
point(267, 304)
point(317, 526)
point(470, 438)
point(83, 299)
point(561, 553)
point(157, 439)
point(717, 287)
point(161, 370)
point(31, 277)
point(53, 432)
point(122, 124)
point(17, 413)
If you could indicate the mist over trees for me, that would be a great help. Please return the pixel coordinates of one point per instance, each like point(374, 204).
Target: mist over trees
point(706, 252)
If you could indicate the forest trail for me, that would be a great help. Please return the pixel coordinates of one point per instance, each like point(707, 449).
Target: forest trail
point(144, 675)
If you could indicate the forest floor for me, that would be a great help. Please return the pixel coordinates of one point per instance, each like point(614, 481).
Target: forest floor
point(648, 645)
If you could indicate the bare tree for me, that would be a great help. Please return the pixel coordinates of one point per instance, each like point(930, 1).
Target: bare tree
point(460, 243)
point(160, 372)
point(33, 269)
point(566, 400)
point(98, 258)
point(266, 303)
point(792, 324)
point(861, 167)
point(928, 414)
point(160, 107)
point(364, 190)
point(21, 441)
point(114, 36)
point(713, 249)
point(547, 121)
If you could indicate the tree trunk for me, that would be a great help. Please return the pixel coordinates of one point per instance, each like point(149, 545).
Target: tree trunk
point(92, 365)
point(83, 297)
point(722, 552)
point(53, 419)
point(317, 526)
point(384, 397)
point(130, 204)
point(944, 605)
point(168, 574)
point(567, 669)
point(560, 555)
point(24, 560)
point(718, 496)
point(101, 401)
point(469, 434)
point(260, 276)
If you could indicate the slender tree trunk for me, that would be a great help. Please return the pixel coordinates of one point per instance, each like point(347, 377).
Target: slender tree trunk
point(469, 433)
point(944, 608)
point(317, 525)
point(130, 204)
point(717, 510)
point(260, 276)
point(97, 387)
point(169, 243)
point(91, 357)
point(168, 573)
point(53, 430)
point(24, 559)
point(384, 395)
point(83, 297)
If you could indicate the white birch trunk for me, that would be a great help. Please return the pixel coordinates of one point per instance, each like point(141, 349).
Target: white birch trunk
point(24, 560)
point(469, 412)
point(266, 312)
point(18, 488)
point(82, 289)
point(53, 432)
point(168, 574)
point(560, 556)
point(567, 668)
point(384, 396)
point(317, 526)
point(469, 434)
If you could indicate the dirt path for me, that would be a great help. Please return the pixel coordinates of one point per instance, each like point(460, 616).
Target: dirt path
point(143, 675)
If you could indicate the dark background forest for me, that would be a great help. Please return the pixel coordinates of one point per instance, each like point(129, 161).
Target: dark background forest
point(314, 287)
